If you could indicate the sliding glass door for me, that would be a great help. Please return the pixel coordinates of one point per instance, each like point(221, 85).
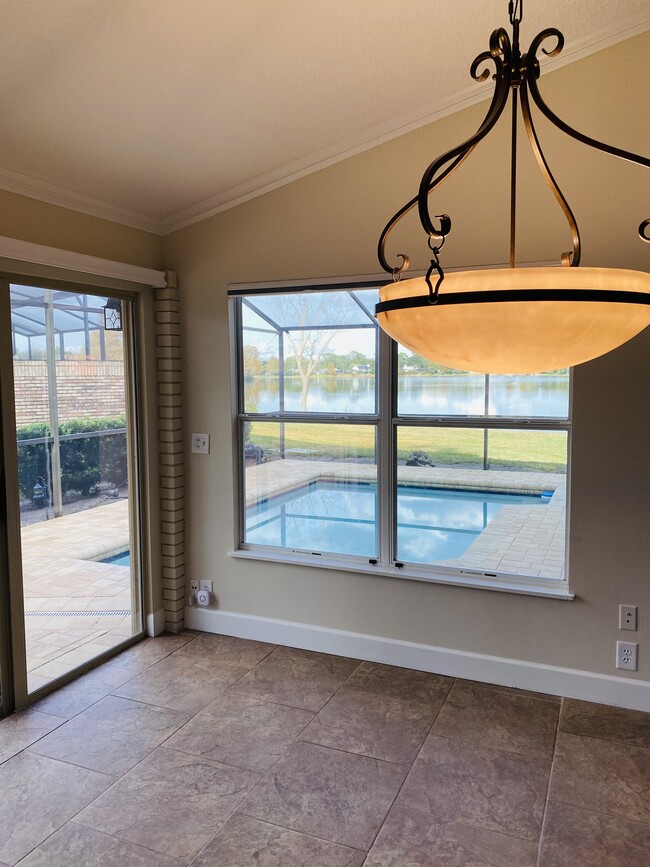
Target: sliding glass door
point(76, 476)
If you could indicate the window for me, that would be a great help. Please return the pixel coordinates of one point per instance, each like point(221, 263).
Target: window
point(355, 453)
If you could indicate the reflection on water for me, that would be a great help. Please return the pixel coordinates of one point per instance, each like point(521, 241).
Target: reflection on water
point(537, 396)
point(341, 518)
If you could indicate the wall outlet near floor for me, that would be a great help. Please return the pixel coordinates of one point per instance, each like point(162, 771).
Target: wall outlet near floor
point(194, 585)
point(627, 615)
point(205, 585)
point(201, 443)
point(627, 655)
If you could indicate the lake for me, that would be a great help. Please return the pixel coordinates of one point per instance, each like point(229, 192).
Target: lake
point(542, 396)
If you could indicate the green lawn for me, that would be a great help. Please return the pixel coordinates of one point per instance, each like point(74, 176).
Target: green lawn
point(508, 449)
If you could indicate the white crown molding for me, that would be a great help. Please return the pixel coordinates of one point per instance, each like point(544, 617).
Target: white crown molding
point(386, 131)
point(624, 28)
point(518, 673)
point(52, 257)
point(13, 182)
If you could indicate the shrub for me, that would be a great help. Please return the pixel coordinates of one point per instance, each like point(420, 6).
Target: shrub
point(84, 462)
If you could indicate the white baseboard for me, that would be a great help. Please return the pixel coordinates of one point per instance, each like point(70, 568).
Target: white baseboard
point(551, 679)
point(156, 622)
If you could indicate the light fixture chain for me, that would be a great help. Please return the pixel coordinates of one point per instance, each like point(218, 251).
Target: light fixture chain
point(515, 11)
point(434, 266)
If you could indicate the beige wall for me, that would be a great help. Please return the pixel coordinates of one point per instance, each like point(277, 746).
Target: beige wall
point(327, 224)
point(42, 223)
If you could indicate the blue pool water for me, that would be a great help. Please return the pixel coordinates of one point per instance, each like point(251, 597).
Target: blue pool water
point(433, 524)
point(123, 559)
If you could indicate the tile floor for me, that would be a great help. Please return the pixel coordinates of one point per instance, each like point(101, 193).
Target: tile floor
point(219, 752)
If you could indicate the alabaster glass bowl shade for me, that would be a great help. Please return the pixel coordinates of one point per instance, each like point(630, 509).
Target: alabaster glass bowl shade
point(522, 336)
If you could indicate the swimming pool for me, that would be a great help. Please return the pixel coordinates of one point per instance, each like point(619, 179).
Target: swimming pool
point(433, 524)
point(123, 559)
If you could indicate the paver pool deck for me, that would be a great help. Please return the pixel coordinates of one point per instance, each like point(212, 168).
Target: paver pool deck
point(74, 605)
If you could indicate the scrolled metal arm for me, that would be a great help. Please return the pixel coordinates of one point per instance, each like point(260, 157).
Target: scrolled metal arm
point(442, 167)
point(511, 71)
point(532, 74)
point(429, 181)
point(536, 44)
point(643, 231)
point(567, 258)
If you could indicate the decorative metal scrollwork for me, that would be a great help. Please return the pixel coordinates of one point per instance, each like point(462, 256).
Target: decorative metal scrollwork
point(643, 231)
point(519, 74)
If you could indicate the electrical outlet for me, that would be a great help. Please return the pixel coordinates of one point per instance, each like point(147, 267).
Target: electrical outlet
point(201, 443)
point(627, 655)
point(194, 585)
point(205, 585)
point(627, 617)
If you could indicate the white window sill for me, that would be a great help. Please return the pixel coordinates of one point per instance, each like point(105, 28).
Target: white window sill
point(549, 588)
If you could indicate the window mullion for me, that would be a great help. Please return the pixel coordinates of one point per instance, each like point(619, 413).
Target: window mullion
point(386, 493)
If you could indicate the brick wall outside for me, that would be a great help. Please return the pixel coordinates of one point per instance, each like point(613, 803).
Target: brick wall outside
point(93, 389)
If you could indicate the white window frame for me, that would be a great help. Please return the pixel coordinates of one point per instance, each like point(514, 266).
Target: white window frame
point(386, 422)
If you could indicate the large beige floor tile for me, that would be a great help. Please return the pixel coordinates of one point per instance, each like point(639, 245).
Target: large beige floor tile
point(298, 678)
point(491, 789)
point(241, 731)
point(171, 802)
point(573, 837)
point(180, 683)
point(84, 691)
point(601, 721)
point(246, 842)
point(380, 726)
point(603, 776)
point(327, 793)
point(75, 845)
point(220, 650)
point(22, 729)
point(500, 720)
point(411, 838)
point(38, 796)
point(395, 682)
point(112, 735)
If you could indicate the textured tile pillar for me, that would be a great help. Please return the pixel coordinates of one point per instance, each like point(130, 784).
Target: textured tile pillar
point(170, 443)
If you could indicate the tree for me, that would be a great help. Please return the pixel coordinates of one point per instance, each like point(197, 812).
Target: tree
point(272, 366)
point(252, 361)
point(309, 345)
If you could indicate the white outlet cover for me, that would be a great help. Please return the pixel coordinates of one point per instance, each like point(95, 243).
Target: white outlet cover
point(627, 655)
point(200, 443)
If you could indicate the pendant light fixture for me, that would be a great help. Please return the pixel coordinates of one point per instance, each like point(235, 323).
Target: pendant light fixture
point(511, 320)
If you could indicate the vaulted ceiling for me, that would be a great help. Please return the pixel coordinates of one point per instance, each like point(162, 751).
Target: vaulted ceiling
point(156, 113)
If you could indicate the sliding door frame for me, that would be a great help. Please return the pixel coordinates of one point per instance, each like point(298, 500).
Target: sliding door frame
point(11, 580)
point(13, 657)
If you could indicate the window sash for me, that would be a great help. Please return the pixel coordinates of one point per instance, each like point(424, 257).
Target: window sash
point(387, 421)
